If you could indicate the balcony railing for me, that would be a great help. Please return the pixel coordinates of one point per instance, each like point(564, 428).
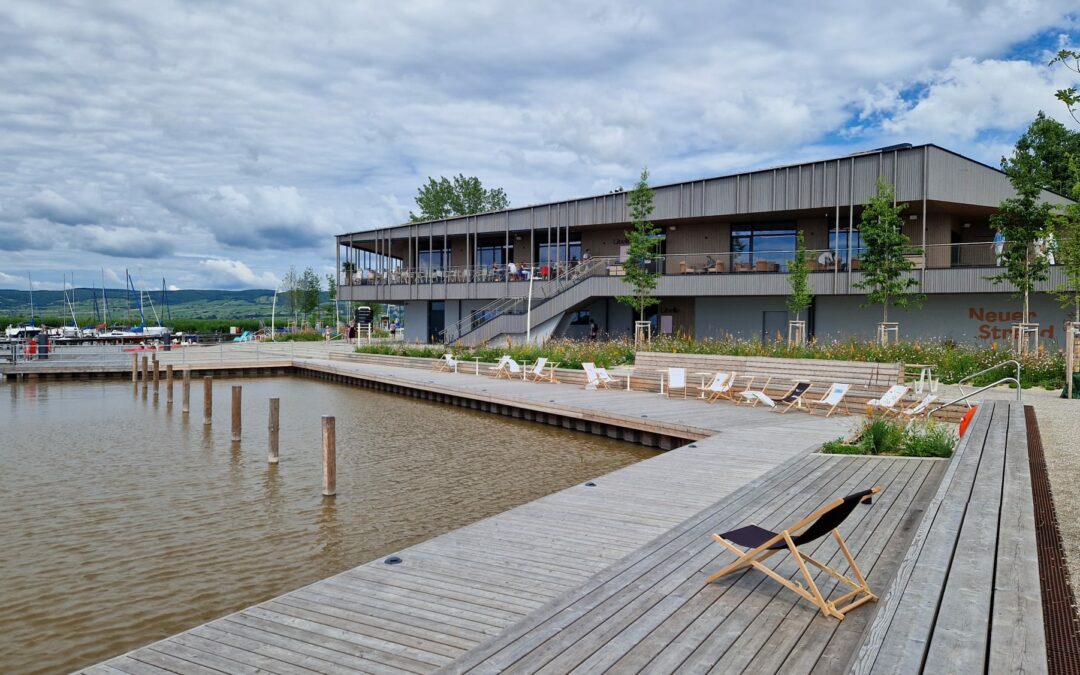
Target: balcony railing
point(934, 256)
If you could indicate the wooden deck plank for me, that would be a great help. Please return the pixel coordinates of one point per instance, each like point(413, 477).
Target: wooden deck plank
point(1017, 640)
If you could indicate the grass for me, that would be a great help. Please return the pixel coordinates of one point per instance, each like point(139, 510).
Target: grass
point(951, 361)
point(882, 436)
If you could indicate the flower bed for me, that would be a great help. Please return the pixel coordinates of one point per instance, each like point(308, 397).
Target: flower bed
point(883, 436)
point(951, 361)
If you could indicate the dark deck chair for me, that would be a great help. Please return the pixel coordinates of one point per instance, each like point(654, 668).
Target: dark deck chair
point(793, 397)
point(763, 544)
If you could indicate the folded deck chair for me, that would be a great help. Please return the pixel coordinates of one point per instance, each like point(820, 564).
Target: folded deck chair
point(721, 386)
point(676, 380)
point(536, 372)
point(887, 402)
point(762, 544)
point(918, 410)
point(510, 370)
point(755, 396)
point(835, 397)
point(605, 377)
point(500, 366)
point(592, 377)
point(448, 362)
point(792, 398)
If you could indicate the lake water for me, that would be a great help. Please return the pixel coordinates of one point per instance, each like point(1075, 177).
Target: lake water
point(123, 521)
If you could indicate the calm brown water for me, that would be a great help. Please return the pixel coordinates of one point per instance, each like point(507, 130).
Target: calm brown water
point(122, 521)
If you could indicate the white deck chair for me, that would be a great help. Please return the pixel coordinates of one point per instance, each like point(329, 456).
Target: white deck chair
point(605, 377)
point(500, 366)
point(676, 380)
point(448, 362)
point(592, 378)
point(918, 410)
point(512, 369)
point(721, 386)
point(833, 399)
point(753, 397)
point(889, 399)
point(536, 372)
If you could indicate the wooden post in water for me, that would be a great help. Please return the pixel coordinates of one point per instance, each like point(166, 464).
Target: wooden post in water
point(208, 400)
point(168, 384)
point(186, 406)
point(329, 457)
point(135, 368)
point(157, 375)
point(236, 393)
point(145, 372)
point(273, 427)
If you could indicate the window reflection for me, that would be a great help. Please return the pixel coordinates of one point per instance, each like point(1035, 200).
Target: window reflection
point(766, 248)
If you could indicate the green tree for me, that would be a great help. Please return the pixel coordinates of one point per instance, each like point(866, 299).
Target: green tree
point(1041, 158)
point(1070, 97)
point(799, 278)
point(641, 250)
point(1067, 252)
point(331, 300)
point(310, 290)
point(885, 245)
point(290, 290)
point(460, 196)
point(1022, 221)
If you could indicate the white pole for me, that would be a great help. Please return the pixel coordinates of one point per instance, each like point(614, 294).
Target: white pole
point(528, 309)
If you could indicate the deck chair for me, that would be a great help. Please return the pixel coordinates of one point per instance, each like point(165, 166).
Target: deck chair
point(606, 378)
point(592, 377)
point(448, 362)
point(918, 410)
point(721, 386)
point(755, 396)
point(536, 372)
point(762, 544)
point(887, 402)
point(500, 366)
point(792, 398)
point(676, 380)
point(510, 370)
point(832, 400)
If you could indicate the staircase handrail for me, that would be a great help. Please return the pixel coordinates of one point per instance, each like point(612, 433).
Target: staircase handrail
point(964, 396)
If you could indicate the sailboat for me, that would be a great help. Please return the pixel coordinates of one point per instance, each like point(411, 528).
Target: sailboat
point(25, 330)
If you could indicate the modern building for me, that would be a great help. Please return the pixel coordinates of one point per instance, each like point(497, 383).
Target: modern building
point(555, 269)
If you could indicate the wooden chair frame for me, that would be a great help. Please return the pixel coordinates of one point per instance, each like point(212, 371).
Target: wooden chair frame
point(595, 382)
point(916, 410)
point(500, 368)
point(685, 382)
point(536, 373)
point(447, 363)
point(755, 557)
point(833, 407)
point(748, 397)
point(507, 370)
point(605, 378)
point(725, 390)
point(897, 392)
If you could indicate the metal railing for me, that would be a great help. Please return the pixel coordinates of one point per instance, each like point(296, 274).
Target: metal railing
point(964, 396)
point(933, 256)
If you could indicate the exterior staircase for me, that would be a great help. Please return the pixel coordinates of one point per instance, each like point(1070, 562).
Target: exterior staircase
point(509, 315)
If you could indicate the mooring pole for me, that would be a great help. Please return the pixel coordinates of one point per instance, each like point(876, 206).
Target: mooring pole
point(145, 373)
point(186, 406)
point(157, 375)
point(208, 400)
point(168, 384)
point(273, 427)
point(329, 456)
point(135, 368)
point(236, 393)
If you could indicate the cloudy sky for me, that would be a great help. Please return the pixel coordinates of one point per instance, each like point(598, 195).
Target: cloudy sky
point(217, 143)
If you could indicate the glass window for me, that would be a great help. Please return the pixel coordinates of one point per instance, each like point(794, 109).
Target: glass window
point(437, 259)
point(840, 244)
point(548, 254)
point(765, 248)
point(486, 256)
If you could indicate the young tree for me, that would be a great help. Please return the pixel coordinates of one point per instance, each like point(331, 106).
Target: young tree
point(642, 238)
point(310, 290)
point(1041, 157)
point(1070, 97)
point(1067, 229)
point(885, 245)
point(799, 279)
point(461, 196)
point(331, 300)
point(290, 287)
point(1022, 221)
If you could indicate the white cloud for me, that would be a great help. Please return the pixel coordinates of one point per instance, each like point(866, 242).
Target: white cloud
point(221, 273)
point(253, 131)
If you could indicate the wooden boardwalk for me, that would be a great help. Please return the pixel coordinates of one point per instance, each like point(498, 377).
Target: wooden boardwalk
point(652, 611)
point(462, 589)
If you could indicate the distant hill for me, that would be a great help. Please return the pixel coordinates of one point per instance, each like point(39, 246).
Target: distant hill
point(193, 304)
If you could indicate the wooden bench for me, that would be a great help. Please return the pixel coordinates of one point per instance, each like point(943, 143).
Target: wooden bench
point(860, 374)
point(967, 595)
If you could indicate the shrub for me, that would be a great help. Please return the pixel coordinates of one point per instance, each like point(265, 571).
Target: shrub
point(880, 436)
point(929, 439)
point(840, 447)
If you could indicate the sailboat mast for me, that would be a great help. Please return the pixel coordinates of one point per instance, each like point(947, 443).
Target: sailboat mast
point(31, 282)
point(104, 300)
